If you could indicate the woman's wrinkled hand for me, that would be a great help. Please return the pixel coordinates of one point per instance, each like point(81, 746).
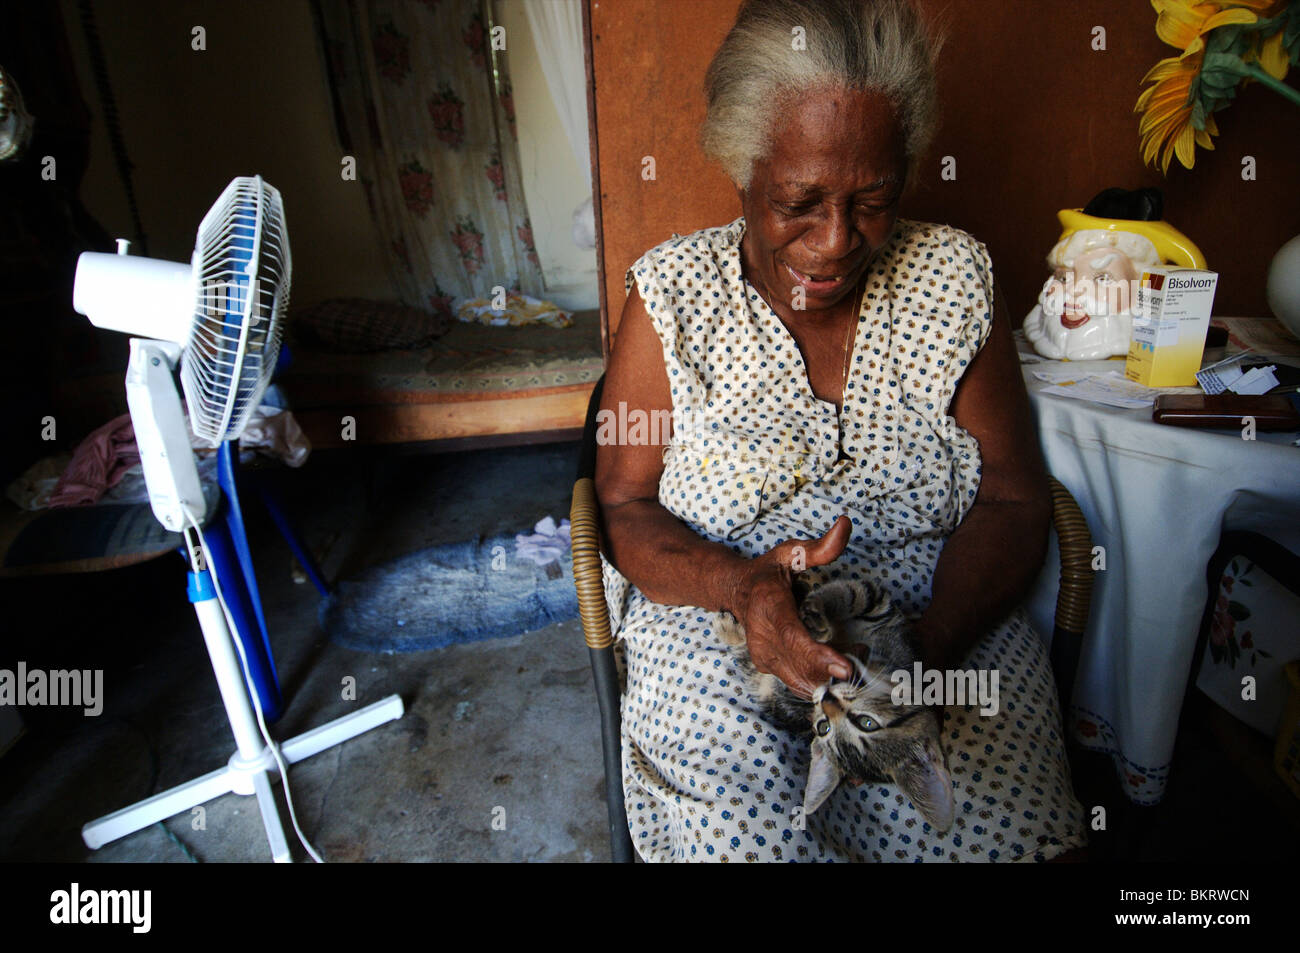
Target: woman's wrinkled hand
point(763, 602)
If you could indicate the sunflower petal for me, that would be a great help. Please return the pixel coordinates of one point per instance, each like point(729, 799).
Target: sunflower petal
point(1265, 8)
point(1224, 17)
point(1180, 22)
point(1185, 147)
point(1169, 96)
point(1273, 57)
point(1165, 155)
point(1150, 148)
point(1168, 67)
point(1154, 119)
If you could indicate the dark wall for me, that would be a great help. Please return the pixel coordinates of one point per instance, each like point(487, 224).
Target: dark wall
point(43, 227)
point(1034, 117)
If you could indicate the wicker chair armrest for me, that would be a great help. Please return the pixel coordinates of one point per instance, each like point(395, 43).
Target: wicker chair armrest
point(1075, 595)
point(584, 523)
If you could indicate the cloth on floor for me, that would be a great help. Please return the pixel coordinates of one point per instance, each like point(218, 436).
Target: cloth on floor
point(459, 592)
point(31, 491)
point(98, 463)
point(519, 310)
point(133, 489)
point(276, 433)
point(110, 454)
point(546, 544)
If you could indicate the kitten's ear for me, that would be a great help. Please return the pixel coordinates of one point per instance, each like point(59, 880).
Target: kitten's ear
point(925, 780)
point(823, 776)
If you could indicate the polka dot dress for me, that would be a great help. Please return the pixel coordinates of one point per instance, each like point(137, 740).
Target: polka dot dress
point(757, 458)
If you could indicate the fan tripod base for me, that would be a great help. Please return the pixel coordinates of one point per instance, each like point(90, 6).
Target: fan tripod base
point(242, 776)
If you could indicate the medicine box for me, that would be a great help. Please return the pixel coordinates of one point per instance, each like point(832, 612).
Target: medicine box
point(1170, 322)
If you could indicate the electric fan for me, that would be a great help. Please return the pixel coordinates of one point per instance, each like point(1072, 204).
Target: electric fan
point(220, 317)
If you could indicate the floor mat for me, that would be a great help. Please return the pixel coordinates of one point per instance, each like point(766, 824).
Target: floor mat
point(460, 592)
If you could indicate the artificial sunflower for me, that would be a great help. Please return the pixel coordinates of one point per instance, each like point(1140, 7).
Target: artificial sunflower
point(1166, 125)
point(1222, 45)
point(1183, 23)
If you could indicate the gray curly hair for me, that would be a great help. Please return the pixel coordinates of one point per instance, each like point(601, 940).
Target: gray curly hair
point(859, 44)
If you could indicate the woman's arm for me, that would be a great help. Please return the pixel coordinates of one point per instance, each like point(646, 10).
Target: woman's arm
point(670, 562)
point(997, 550)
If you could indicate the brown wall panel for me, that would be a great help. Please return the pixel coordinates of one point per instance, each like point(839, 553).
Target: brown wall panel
point(1036, 119)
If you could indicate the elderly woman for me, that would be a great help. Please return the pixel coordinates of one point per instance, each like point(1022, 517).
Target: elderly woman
point(844, 402)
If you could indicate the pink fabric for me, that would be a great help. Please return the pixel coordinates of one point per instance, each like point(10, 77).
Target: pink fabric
point(98, 464)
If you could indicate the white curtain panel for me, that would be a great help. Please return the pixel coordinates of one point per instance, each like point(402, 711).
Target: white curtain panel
point(557, 33)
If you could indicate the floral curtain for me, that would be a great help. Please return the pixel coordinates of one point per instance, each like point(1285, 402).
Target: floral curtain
point(423, 103)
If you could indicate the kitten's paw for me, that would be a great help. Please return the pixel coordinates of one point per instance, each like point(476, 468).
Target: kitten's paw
point(813, 616)
point(729, 629)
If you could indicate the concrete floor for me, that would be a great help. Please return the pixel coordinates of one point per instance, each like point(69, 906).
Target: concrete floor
point(503, 730)
point(498, 729)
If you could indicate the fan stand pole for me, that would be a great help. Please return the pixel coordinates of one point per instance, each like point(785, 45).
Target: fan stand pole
point(252, 767)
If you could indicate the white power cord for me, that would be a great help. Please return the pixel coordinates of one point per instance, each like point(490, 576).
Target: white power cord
point(252, 693)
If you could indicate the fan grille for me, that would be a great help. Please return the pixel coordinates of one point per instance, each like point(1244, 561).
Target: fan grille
point(243, 268)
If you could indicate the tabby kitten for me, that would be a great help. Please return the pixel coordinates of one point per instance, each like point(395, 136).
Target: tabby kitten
point(858, 731)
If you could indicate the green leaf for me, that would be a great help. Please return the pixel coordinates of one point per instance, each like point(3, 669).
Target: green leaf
point(1219, 84)
point(1223, 70)
point(1198, 116)
point(1267, 26)
point(1292, 33)
point(1210, 102)
point(1215, 42)
point(1217, 79)
point(1238, 611)
point(1239, 47)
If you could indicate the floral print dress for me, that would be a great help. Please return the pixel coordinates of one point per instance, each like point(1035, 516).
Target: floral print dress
point(756, 458)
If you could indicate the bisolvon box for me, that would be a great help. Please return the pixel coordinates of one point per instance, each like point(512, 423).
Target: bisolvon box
point(1170, 322)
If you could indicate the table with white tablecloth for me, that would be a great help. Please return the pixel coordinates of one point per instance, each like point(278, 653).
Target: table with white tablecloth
point(1156, 498)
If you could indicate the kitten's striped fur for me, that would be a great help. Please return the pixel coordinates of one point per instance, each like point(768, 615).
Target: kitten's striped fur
point(857, 730)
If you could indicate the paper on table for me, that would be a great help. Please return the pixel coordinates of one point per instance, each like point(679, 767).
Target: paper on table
point(1216, 378)
point(1057, 371)
point(1112, 389)
point(1258, 380)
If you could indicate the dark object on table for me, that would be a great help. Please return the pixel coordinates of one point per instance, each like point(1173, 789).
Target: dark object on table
point(1139, 205)
point(1270, 411)
point(1216, 345)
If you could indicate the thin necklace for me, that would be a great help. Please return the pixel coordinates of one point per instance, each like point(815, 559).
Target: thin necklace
point(848, 340)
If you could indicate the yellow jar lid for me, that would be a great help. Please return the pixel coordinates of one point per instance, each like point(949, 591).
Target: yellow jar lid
point(1171, 244)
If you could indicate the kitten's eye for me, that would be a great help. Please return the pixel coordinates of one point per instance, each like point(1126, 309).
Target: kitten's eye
point(864, 722)
point(823, 728)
